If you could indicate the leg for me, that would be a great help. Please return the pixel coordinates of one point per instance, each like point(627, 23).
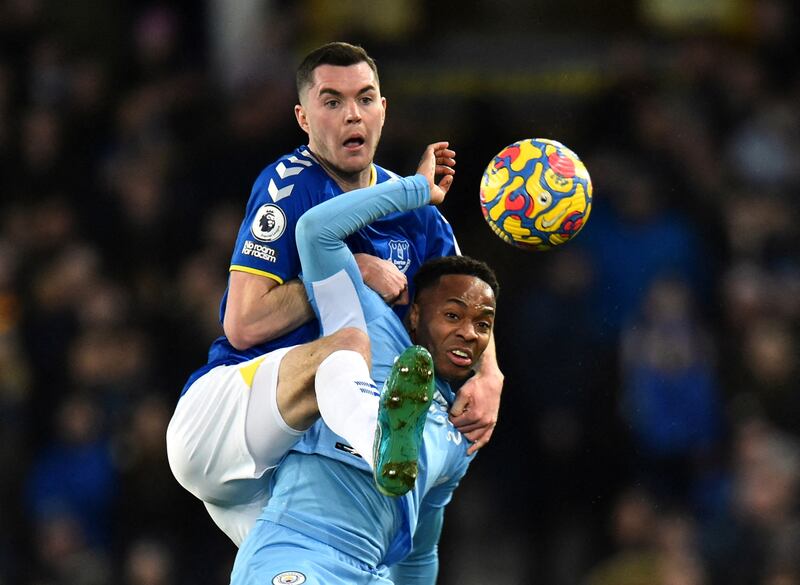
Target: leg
point(328, 377)
point(296, 396)
point(237, 422)
point(207, 447)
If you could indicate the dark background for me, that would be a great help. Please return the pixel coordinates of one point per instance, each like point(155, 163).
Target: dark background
point(649, 426)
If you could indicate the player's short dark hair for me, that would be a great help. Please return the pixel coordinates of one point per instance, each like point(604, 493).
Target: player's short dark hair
point(432, 270)
point(336, 53)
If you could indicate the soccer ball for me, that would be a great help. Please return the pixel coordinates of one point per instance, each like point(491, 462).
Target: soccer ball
point(536, 194)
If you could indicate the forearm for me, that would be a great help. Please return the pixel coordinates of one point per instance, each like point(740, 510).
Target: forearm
point(417, 572)
point(422, 565)
point(284, 309)
point(488, 366)
point(260, 310)
point(477, 404)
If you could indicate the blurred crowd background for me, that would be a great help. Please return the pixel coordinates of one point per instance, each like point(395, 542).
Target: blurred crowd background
point(650, 426)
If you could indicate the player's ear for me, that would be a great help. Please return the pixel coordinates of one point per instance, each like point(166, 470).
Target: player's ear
point(383, 114)
point(300, 116)
point(413, 321)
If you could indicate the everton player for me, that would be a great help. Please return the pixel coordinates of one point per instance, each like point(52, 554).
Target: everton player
point(325, 523)
point(239, 413)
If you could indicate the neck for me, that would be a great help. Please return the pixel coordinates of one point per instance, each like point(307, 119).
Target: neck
point(347, 181)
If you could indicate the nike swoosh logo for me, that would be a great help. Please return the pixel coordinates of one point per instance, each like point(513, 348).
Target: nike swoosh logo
point(548, 224)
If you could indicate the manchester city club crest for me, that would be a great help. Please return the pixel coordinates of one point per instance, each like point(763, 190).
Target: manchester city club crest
point(269, 223)
point(398, 254)
point(289, 578)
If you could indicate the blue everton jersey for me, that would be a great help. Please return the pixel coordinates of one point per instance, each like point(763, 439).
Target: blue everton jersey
point(266, 241)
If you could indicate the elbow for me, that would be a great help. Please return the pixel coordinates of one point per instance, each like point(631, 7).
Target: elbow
point(237, 334)
point(308, 230)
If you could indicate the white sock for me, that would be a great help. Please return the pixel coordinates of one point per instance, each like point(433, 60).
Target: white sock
point(348, 400)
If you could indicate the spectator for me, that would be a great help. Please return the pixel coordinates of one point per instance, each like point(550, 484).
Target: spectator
point(670, 390)
point(74, 477)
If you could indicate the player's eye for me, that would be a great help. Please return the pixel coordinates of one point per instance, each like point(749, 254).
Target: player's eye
point(366, 100)
point(451, 316)
point(484, 326)
point(331, 104)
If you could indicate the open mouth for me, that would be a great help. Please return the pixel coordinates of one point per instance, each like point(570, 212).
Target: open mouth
point(460, 357)
point(354, 142)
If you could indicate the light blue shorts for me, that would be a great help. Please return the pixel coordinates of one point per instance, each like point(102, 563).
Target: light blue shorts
point(273, 554)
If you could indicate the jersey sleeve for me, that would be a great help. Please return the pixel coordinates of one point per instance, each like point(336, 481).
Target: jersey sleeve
point(266, 243)
point(421, 566)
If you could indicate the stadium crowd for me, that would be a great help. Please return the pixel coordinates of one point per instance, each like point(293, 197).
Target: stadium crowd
point(650, 426)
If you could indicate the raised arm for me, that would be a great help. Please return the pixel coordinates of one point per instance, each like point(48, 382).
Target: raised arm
point(327, 225)
point(421, 566)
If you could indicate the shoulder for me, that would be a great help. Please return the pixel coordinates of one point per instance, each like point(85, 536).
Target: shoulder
point(383, 174)
point(283, 191)
point(435, 218)
point(288, 187)
point(298, 170)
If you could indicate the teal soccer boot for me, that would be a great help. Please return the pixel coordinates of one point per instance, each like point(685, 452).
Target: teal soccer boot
point(404, 403)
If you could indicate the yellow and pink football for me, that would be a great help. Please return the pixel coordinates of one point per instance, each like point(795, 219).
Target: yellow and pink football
point(536, 194)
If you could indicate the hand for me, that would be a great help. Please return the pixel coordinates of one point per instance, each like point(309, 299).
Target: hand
point(384, 278)
point(438, 161)
point(475, 409)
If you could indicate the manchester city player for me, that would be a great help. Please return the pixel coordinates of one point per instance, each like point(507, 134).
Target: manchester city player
point(239, 413)
point(325, 523)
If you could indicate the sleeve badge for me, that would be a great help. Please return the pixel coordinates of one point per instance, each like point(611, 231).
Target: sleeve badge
point(269, 223)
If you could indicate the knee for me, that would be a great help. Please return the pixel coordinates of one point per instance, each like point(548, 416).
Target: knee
point(190, 468)
point(186, 455)
point(353, 339)
point(181, 457)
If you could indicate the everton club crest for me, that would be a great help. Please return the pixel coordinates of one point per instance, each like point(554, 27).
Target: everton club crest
point(398, 254)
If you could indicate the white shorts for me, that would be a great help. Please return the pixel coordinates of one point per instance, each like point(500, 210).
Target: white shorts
point(226, 435)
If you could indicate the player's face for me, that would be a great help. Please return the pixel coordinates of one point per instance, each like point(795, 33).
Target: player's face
point(453, 320)
point(343, 113)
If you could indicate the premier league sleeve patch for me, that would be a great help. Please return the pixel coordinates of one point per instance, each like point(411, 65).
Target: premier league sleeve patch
point(269, 223)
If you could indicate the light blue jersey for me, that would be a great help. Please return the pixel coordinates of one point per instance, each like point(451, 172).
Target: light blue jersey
point(324, 492)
